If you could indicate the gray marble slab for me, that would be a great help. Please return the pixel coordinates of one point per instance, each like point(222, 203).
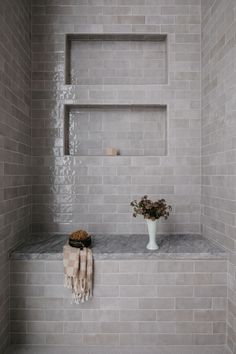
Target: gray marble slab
point(124, 247)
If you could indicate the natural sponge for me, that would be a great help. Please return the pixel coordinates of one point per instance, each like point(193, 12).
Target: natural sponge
point(79, 235)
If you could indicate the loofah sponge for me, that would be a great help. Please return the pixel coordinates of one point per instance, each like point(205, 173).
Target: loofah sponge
point(79, 235)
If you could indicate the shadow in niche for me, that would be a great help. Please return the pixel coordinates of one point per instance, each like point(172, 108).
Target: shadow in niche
point(104, 59)
point(134, 129)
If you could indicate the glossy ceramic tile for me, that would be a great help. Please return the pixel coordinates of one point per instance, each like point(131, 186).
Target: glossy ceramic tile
point(94, 192)
point(148, 305)
point(117, 59)
point(15, 140)
point(135, 130)
point(49, 350)
point(218, 138)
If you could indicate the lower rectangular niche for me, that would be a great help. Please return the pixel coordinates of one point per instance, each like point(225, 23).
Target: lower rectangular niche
point(134, 130)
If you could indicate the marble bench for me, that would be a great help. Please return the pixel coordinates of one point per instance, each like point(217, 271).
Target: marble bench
point(170, 301)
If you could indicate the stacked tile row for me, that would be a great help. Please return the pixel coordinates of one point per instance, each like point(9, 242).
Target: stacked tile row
point(218, 138)
point(71, 192)
point(135, 305)
point(15, 140)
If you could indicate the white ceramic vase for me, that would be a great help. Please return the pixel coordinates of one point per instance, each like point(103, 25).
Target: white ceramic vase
point(152, 228)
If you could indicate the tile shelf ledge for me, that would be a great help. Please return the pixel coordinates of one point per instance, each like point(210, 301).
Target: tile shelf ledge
point(129, 247)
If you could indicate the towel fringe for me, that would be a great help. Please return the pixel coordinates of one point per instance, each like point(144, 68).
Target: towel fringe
point(78, 277)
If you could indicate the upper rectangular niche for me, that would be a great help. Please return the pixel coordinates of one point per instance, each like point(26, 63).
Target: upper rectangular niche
point(134, 130)
point(116, 59)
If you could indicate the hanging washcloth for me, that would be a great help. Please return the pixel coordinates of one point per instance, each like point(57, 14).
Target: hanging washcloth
point(78, 270)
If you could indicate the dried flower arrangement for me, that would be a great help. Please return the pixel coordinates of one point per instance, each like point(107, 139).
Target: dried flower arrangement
point(151, 210)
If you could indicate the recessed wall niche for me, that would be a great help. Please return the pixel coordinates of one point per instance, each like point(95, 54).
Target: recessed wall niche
point(134, 130)
point(114, 59)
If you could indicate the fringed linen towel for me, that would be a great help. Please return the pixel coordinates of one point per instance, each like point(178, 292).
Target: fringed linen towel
point(78, 270)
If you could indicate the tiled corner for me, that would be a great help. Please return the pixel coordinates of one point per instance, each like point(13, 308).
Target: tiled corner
point(15, 140)
point(218, 138)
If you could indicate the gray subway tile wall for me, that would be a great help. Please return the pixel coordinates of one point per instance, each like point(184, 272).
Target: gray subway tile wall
point(115, 61)
point(94, 192)
point(133, 130)
point(15, 141)
point(137, 306)
point(218, 138)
